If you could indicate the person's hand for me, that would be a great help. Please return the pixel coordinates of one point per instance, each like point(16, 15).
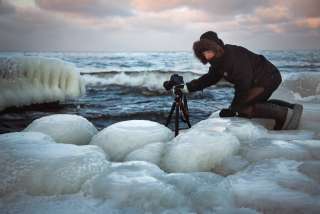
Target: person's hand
point(226, 112)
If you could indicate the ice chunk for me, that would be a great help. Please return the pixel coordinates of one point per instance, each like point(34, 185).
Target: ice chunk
point(34, 163)
point(244, 129)
point(268, 149)
point(275, 186)
point(30, 80)
point(198, 150)
point(121, 138)
point(139, 188)
point(151, 153)
point(311, 169)
point(65, 128)
point(313, 146)
point(231, 165)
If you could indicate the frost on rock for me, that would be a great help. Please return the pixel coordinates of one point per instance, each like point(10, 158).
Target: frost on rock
point(33, 80)
point(34, 163)
point(65, 128)
point(121, 138)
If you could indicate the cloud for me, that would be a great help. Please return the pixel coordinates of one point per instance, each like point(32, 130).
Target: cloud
point(95, 8)
point(6, 8)
point(311, 23)
point(154, 25)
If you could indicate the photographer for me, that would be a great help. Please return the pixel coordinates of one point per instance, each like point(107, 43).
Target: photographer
point(254, 79)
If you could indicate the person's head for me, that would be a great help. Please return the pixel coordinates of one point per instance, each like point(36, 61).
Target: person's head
point(206, 50)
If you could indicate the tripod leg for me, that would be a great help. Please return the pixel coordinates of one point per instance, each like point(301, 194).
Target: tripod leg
point(170, 114)
point(185, 113)
point(177, 120)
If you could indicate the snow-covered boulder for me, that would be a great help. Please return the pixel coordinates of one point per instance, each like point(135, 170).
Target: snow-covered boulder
point(64, 128)
point(121, 138)
point(32, 80)
point(33, 162)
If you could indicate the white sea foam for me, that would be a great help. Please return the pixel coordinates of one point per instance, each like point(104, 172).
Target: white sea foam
point(32, 80)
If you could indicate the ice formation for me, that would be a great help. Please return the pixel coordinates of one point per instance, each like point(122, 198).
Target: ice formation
point(121, 138)
point(198, 150)
point(32, 80)
point(246, 172)
point(152, 153)
point(64, 128)
point(35, 163)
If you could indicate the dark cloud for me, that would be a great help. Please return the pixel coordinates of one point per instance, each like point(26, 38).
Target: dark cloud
point(95, 8)
point(6, 8)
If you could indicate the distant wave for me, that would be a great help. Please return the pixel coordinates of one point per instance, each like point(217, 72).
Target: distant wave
point(152, 80)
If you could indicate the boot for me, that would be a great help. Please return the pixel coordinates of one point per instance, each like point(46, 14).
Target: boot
point(271, 111)
point(281, 103)
point(294, 120)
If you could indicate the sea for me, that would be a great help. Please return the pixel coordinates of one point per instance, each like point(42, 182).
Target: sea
point(129, 85)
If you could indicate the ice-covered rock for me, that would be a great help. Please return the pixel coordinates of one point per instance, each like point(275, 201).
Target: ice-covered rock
point(276, 186)
point(198, 150)
point(269, 149)
point(33, 162)
point(151, 153)
point(64, 128)
point(244, 129)
point(121, 138)
point(31, 80)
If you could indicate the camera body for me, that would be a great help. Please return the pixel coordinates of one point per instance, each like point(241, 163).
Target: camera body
point(175, 81)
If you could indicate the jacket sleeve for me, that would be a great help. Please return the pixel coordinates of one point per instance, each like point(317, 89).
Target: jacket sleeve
point(204, 81)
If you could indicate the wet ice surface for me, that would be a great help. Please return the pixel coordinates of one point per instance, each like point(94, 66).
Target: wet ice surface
point(217, 166)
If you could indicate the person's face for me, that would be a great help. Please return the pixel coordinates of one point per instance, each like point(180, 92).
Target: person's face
point(209, 55)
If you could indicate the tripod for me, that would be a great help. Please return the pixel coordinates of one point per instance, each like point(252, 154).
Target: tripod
point(179, 104)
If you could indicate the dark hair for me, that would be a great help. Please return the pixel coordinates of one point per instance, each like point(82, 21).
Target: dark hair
point(205, 45)
point(211, 35)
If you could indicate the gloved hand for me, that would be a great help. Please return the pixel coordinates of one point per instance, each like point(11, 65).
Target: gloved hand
point(226, 112)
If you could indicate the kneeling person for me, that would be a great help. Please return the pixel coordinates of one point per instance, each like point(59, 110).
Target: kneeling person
point(254, 78)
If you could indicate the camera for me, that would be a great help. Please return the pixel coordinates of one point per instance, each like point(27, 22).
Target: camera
point(175, 81)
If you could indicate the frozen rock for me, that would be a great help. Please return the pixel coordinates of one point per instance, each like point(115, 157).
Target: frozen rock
point(276, 186)
point(151, 153)
point(34, 163)
point(244, 129)
point(139, 188)
point(121, 138)
point(198, 150)
point(268, 149)
point(64, 128)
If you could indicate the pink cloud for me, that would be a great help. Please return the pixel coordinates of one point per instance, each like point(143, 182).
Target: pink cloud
point(311, 23)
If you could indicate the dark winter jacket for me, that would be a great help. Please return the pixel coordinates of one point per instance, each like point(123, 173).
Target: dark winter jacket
point(241, 67)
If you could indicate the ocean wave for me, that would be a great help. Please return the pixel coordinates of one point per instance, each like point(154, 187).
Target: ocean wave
point(302, 86)
point(151, 80)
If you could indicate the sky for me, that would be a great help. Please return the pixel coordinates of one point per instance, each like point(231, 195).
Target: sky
point(156, 25)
